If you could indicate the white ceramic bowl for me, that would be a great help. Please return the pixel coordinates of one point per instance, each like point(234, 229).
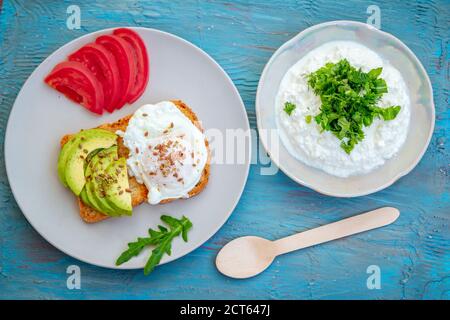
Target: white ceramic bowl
point(389, 48)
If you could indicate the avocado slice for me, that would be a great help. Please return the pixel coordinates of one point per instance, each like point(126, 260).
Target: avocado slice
point(83, 144)
point(67, 149)
point(84, 198)
point(86, 195)
point(94, 172)
point(89, 158)
point(106, 184)
point(118, 194)
point(62, 160)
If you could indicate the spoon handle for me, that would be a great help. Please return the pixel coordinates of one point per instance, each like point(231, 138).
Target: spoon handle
point(343, 228)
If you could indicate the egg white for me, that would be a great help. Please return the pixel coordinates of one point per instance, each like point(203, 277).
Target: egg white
point(167, 151)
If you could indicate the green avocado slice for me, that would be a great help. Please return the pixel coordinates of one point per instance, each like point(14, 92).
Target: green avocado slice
point(84, 197)
point(94, 172)
point(62, 160)
point(118, 194)
point(83, 144)
point(67, 149)
point(89, 158)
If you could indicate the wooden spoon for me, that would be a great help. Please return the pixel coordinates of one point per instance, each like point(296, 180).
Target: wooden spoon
point(246, 257)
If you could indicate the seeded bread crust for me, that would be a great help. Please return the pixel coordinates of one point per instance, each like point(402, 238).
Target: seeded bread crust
point(139, 191)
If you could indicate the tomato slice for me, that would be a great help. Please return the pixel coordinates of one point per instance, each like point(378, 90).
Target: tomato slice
point(103, 65)
point(140, 59)
point(123, 54)
point(77, 83)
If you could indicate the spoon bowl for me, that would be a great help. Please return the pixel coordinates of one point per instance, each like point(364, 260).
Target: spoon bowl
point(245, 257)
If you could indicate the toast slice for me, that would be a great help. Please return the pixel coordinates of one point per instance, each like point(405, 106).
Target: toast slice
point(139, 191)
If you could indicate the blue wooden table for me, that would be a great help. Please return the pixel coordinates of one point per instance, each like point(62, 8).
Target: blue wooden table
point(412, 254)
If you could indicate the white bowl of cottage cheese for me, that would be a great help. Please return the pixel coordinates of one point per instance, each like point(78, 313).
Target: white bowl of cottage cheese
point(345, 109)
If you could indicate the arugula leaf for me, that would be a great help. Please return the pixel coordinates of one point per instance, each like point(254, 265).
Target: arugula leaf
point(161, 238)
point(134, 248)
point(349, 97)
point(176, 227)
point(156, 256)
point(289, 107)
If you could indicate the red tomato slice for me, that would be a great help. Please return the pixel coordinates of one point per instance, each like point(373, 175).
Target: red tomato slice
point(123, 54)
point(141, 60)
point(103, 65)
point(77, 83)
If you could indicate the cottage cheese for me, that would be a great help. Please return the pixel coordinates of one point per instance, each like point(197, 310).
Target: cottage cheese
point(383, 139)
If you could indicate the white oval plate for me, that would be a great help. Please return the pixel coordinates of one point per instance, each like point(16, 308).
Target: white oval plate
point(389, 48)
point(41, 116)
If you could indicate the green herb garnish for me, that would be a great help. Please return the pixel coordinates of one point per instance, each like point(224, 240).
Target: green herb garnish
point(349, 97)
point(289, 107)
point(161, 238)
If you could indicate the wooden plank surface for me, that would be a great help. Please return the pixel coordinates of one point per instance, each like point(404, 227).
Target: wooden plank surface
point(413, 254)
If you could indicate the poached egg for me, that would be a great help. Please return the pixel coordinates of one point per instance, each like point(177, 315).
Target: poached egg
point(167, 151)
